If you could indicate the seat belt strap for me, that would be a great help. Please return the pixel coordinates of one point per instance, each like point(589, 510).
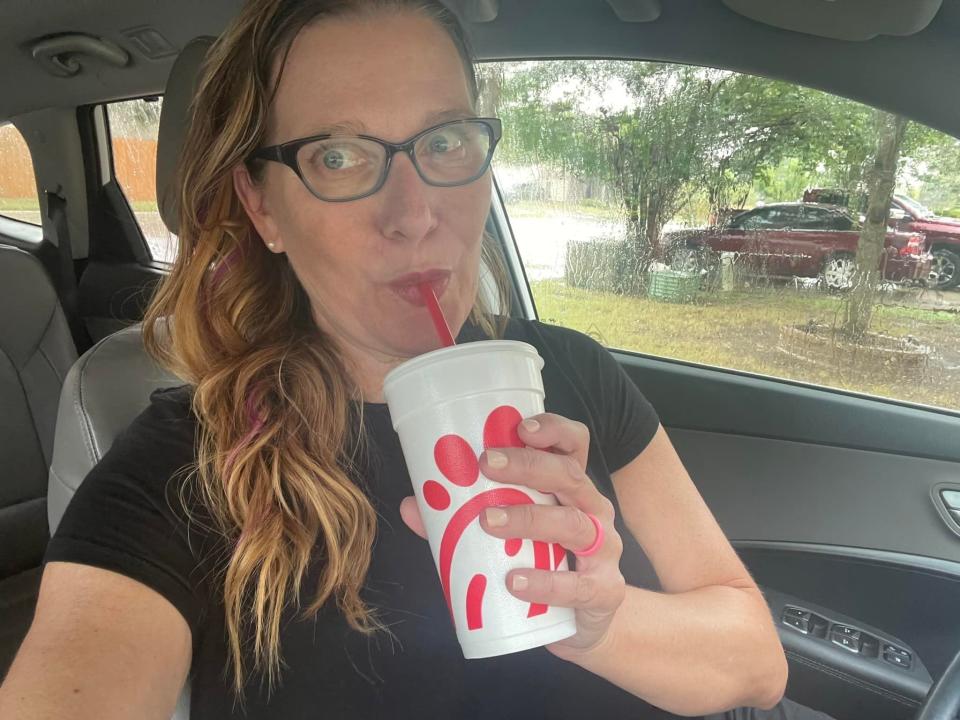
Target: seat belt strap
point(57, 214)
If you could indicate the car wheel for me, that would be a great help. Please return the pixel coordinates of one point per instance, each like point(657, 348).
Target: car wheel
point(945, 269)
point(838, 272)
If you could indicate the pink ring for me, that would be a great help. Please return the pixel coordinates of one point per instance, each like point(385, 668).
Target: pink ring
point(596, 543)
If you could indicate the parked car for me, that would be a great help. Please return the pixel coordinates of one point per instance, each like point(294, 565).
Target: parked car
point(800, 240)
point(908, 215)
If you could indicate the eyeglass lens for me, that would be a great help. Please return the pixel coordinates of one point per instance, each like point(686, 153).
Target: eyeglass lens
point(345, 167)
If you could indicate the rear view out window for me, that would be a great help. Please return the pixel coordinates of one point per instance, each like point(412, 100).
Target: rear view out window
point(134, 126)
point(18, 186)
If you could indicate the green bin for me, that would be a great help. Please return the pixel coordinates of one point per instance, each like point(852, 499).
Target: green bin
point(673, 285)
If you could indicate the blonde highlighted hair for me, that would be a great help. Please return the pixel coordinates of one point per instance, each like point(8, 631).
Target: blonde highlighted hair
point(278, 427)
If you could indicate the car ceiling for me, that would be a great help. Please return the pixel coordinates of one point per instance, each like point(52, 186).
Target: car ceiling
point(908, 64)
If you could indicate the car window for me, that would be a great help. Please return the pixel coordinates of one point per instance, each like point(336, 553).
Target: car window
point(756, 219)
point(134, 126)
point(816, 218)
point(615, 174)
point(813, 219)
point(18, 185)
point(914, 207)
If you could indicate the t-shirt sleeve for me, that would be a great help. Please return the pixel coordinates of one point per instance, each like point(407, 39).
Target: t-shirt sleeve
point(627, 420)
point(123, 516)
point(624, 420)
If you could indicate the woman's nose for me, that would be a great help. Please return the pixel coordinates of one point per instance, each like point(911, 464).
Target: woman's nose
point(405, 211)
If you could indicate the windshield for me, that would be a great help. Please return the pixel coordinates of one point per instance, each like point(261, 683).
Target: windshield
point(914, 207)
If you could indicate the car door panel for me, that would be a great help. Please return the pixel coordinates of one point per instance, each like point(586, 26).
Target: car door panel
point(837, 496)
point(829, 499)
point(775, 250)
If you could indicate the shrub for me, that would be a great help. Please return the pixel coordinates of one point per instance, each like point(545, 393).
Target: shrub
point(606, 265)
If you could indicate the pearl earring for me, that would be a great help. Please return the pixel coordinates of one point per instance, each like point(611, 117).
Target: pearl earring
point(271, 245)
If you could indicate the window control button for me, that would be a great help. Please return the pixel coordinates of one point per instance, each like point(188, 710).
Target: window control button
point(795, 611)
point(800, 623)
point(894, 658)
point(894, 650)
point(846, 641)
point(845, 630)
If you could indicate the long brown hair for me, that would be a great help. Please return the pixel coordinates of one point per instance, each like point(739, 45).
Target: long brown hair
point(277, 427)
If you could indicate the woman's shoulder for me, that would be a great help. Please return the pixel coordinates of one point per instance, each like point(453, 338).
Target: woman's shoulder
point(563, 342)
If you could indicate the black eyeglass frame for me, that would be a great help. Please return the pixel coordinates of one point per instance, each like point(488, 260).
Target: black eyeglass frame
point(286, 153)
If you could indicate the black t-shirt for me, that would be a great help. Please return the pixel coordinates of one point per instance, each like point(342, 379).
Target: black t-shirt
point(128, 517)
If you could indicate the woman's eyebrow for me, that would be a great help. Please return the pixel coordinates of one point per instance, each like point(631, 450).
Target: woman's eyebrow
point(356, 127)
point(444, 115)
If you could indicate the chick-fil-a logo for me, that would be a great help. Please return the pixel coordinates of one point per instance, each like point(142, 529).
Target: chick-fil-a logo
point(459, 464)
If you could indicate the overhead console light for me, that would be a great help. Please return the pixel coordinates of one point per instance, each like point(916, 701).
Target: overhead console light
point(854, 20)
point(150, 42)
point(479, 11)
point(635, 11)
point(61, 55)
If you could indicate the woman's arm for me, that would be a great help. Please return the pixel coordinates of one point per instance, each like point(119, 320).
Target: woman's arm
point(707, 643)
point(101, 646)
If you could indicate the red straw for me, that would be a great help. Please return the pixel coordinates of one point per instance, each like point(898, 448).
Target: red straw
point(436, 314)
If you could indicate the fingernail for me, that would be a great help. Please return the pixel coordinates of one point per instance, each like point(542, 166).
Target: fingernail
point(496, 517)
point(520, 582)
point(530, 425)
point(496, 459)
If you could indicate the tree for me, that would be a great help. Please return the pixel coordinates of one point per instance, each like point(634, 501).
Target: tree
point(859, 304)
point(657, 147)
point(758, 122)
point(676, 129)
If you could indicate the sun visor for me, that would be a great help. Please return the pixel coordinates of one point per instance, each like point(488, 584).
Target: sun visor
point(635, 10)
point(854, 20)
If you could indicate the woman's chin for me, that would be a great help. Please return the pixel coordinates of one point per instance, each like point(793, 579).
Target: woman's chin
point(423, 342)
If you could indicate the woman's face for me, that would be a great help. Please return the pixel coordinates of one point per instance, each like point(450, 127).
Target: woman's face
point(390, 76)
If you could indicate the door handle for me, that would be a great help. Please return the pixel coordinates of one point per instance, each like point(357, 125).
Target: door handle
point(946, 498)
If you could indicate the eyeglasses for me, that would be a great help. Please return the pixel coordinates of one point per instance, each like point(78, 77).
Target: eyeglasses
point(338, 168)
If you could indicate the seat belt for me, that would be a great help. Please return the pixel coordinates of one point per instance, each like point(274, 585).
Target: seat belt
point(57, 214)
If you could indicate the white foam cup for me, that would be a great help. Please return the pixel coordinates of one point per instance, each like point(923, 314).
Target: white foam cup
point(448, 406)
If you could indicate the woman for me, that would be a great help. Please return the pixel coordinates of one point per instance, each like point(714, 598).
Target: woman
point(247, 529)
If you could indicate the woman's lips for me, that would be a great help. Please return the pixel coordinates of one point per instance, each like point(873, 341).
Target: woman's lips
point(408, 286)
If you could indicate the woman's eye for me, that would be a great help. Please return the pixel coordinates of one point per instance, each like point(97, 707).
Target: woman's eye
point(337, 158)
point(441, 144)
point(334, 159)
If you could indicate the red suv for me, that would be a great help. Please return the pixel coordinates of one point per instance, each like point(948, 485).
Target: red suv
point(799, 240)
point(907, 215)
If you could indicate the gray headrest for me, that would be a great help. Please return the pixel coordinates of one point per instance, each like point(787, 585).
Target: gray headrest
point(173, 125)
point(103, 392)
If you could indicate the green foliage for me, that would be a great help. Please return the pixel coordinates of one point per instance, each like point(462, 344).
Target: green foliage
point(682, 142)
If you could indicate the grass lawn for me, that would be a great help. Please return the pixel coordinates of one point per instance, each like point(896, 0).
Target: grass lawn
point(740, 330)
point(11, 204)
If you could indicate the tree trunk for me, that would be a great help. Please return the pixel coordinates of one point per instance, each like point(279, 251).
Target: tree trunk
point(859, 304)
point(491, 89)
point(652, 232)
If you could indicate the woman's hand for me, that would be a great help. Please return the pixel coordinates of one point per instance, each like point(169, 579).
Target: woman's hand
point(555, 462)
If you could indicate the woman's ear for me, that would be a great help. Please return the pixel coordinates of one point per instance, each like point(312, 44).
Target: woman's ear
point(253, 199)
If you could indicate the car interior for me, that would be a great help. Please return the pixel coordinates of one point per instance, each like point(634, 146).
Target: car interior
point(845, 507)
